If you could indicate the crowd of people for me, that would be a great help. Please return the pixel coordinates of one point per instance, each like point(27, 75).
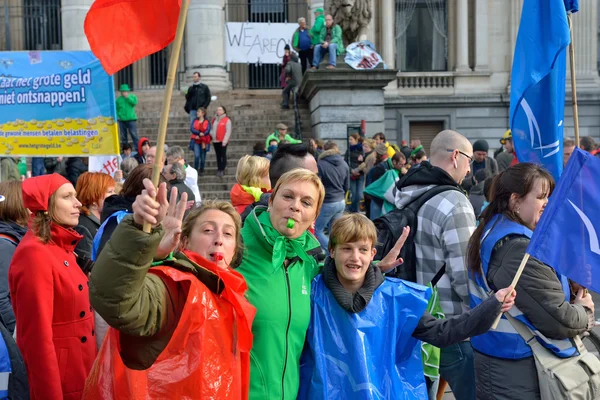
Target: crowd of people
point(290, 290)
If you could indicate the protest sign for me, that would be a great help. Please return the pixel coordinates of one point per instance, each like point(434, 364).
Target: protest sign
point(107, 164)
point(56, 103)
point(249, 42)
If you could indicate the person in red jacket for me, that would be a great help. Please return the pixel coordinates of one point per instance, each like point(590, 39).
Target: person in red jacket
point(49, 291)
point(200, 139)
point(221, 134)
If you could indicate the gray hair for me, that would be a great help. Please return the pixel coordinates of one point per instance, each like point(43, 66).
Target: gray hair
point(178, 170)
point(128, 165)
point(301, 19)
point(176, 152)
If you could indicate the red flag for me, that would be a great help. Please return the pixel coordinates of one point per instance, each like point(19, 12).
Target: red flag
point(120, 32)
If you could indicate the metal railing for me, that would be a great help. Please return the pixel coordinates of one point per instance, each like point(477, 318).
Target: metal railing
point(259, 75)
point(30, 25)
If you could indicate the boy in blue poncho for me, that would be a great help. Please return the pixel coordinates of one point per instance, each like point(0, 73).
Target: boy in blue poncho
point(365, 328)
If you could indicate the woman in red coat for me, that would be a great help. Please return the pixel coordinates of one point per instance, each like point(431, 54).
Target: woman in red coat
point(55, 323)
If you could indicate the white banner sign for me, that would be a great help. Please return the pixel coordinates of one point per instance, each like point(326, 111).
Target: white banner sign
point(249, 42)
point(107, 164)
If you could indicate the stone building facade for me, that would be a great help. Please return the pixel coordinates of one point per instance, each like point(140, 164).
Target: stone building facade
point(453, 58)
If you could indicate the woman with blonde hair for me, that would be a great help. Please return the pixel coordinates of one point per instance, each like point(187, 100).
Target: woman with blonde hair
point(181, 326)
point(252, 178)
point(92, 189)
point(55, 325)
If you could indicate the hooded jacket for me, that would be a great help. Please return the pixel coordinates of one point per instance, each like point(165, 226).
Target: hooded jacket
point(243, 196)
point(165, 334)
point(294, 70)
point(113, 204)
point(10, 236)
point(276, 136)
point(9, 169)
point(446, 223)
point(278, 272)
point(477, 198)
point(335, 175)
point(315, 31)
point(140, 157)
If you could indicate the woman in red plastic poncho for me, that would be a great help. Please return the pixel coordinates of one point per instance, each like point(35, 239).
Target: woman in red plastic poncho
point(180, 330)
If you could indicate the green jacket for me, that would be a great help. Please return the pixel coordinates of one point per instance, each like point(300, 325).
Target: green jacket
point(336, 37)
point(275, 136)
point(315, 31)
point(9, 170)
point(281, 296)
point(126, 107)
point(139, 304)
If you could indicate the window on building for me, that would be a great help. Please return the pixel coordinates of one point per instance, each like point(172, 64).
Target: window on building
point(421, 35)
point(42, 24)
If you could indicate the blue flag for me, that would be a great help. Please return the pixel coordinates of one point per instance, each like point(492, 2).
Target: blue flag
point(566, 237)
point(572, 5)
point(537, 98)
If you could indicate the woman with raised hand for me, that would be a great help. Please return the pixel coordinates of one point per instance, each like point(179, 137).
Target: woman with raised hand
point(55, 324)
point(181, 325)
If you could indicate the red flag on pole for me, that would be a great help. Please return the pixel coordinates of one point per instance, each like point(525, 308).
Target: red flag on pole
point(121, 32)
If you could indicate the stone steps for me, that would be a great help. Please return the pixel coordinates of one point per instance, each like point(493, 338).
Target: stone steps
point(254, 115)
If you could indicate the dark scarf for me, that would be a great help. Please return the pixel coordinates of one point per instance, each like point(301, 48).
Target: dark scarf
point(351, 302)
point(357, 147)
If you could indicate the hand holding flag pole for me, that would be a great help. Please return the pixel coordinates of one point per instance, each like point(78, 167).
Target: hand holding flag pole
point(513, 285)
point(164, 116)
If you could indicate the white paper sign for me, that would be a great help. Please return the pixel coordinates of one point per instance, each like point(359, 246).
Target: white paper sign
point(107, 164)
point(251, 42)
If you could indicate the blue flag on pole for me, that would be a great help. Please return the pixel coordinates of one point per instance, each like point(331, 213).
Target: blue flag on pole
point(537, 98)
point(566, 237)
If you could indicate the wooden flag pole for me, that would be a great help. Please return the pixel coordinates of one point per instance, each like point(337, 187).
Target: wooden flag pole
point(164, 115)
point(573, 80)
point(514, 283)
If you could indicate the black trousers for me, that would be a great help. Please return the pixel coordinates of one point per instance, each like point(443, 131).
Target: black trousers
point(306, 57)
point(221, 152)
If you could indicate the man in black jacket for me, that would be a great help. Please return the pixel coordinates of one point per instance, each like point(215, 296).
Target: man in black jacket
point(198, 95)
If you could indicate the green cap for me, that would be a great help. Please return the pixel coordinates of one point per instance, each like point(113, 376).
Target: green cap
point(124, 88)
point(319, 10)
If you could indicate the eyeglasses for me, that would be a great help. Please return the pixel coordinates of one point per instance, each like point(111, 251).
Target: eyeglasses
point(461, 152)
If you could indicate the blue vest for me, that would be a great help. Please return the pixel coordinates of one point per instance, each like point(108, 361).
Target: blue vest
point(119, 215)
point(505, 341)
point(368, 355)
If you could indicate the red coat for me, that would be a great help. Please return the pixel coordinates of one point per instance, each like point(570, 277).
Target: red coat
point(240, 199)
point(55, 322)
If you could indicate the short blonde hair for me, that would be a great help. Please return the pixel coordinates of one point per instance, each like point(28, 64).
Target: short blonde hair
point(301, 175)
point(251, 170)
point(352, 228)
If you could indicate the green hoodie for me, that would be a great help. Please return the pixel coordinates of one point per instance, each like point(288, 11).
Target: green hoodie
point(281, 296)
point(315, 31)
point(275, 136)
point(126, 107)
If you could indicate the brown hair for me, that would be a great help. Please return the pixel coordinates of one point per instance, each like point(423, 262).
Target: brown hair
point(227, 208)
point(12, 208)
point(352, 228)
point(568, 142)
point(520, 180)
point(91, 188)
point(134, 184)
point(42, 220)
point(203, 111)
point(356, 137)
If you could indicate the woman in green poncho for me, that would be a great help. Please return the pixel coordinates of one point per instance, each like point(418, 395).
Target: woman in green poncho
point(278, 267)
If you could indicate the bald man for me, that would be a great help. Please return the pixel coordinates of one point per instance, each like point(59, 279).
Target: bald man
point(446, 222)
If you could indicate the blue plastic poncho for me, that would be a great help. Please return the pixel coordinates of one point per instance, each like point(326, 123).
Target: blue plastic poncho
point(367, 355)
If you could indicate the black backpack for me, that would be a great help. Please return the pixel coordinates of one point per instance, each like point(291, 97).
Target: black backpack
point(389, 228)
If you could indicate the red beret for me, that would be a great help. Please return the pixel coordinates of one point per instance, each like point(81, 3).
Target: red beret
point(37, 191)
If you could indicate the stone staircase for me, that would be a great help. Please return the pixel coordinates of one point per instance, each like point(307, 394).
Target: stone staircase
point(254, 115)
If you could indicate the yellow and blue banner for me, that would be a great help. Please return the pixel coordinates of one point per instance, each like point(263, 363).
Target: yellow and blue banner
point(56, 103)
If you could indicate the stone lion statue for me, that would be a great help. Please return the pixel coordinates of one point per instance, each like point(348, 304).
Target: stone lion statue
point(353, 16)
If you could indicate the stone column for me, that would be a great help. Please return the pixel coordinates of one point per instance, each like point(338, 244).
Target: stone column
point(462, 36)
point(388, 40)
point(585, 28)
point(73, 14)
point(205, 44)
point(481, 36)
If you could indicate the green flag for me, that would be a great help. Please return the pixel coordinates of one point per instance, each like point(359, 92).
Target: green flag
point(384, 188)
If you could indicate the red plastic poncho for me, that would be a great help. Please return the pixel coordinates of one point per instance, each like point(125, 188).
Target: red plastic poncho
point(208, 356)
